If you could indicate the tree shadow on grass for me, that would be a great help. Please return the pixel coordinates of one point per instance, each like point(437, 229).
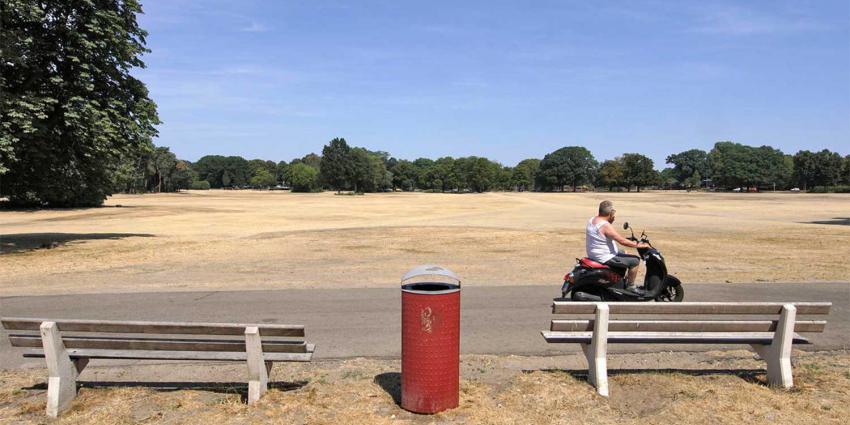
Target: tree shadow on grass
point(837, 221)
point(391, 383)
point(753, 376)
point(22, 242)
point(216, 387)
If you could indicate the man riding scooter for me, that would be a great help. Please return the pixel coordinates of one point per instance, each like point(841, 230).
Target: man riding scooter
point(602, 240)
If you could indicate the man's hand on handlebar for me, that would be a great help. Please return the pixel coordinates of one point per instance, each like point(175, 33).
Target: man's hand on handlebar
point(642, 245)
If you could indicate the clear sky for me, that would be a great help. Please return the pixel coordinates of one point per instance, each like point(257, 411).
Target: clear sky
point(506, 80)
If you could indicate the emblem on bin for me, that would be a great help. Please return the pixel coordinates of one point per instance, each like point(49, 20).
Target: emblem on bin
point(427, 319)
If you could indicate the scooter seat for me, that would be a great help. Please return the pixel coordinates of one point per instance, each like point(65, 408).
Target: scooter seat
point(588, 263)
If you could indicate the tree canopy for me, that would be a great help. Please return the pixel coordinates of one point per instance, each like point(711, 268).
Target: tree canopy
point(571, 165)
point(71, 111)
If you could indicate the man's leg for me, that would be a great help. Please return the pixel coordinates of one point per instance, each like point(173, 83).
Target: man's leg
point(632, 275)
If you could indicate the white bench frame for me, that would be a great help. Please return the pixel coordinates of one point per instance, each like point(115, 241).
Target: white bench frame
point(777, 353)
point(64, 366)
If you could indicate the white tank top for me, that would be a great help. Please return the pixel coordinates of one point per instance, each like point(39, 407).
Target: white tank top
point(599, 248)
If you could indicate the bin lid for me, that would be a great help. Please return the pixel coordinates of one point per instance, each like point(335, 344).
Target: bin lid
point(430, 270)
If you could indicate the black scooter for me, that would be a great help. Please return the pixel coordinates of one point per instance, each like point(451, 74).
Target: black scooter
point(592, 281)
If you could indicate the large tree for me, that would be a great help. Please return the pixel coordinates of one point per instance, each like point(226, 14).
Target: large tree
point(688, 163)
point(70, 110)
point(524, 173)
point(303, 178)
point(571, 165)
point(846, 169)
point(734, 164)
point(829, 168)
point(638, 171)
point(805, 168)
point(405, 174)
point(611, 173)
point(336, 164)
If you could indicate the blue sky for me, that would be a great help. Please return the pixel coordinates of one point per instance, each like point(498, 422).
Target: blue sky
point(506, 80)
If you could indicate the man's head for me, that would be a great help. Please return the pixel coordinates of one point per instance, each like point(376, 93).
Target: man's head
point(606, 209)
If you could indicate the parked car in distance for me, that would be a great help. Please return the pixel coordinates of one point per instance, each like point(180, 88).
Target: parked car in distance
point(795, 189)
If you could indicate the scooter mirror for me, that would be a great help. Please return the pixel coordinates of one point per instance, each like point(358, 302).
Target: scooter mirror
point(626, 226)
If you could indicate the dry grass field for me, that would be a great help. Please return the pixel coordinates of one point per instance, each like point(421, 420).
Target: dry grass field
point(704, 388)
point(253, 240)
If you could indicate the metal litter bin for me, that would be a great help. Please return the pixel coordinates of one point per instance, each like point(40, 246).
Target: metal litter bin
point(430, 339)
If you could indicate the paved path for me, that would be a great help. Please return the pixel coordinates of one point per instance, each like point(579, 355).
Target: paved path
point(365, 322)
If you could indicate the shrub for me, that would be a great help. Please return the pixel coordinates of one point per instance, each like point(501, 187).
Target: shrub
point(841, 188)
point(200, 185)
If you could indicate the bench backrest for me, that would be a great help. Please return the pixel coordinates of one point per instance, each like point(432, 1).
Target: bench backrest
point(687, 309)
point(170, 336)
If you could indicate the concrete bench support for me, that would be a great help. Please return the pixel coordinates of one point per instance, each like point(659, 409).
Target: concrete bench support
point(62, 371)
point(597, 351)
point(778, 353)
point(258, 369)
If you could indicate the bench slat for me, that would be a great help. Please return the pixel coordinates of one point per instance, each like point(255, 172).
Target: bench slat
point(111, 326)
point(670, 337)
point(176, 355)
point(686, 325)
point(581, 307)
point(119, 343)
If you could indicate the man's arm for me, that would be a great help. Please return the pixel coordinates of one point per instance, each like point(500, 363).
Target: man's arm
point(609, 231)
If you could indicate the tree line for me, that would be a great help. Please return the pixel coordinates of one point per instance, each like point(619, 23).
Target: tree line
point(342, 167)
point(76, 126)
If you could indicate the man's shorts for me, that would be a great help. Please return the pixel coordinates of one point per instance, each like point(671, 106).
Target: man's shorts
point(623, 261)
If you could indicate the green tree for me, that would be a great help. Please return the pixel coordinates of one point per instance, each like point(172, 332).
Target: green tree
point(693, 181)
point(611, 173)
point(638, 171)
point(280, 172)
point(405, 175)
point(71, 111)
point(667, 178)
point(263, 179)
point(688, 163)
point(524, 174)
point(829, 168)
point(805, 168)
point(161, 165)
point(847, 169)
point(504, 178)
point(362, 174)
point(423, 176)
point(304, 178)
point(475, 173)
point(182, 176)
point(571, 165)
point(736, 165)
point(336, 164)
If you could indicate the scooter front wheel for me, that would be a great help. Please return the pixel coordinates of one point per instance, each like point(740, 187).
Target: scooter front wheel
point(673, 293)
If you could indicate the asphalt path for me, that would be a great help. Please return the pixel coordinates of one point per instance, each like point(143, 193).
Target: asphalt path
point(366, 322)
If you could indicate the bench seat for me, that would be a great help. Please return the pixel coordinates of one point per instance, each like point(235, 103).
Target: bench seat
point(669, 337)
point(76, 353)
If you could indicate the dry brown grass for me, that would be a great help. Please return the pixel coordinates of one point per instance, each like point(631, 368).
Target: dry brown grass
point(494, 390)
point(262, 240)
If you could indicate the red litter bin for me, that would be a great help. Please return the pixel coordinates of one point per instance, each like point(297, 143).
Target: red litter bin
point(430, 339)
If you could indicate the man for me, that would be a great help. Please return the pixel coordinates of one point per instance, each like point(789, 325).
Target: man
point(602, 241)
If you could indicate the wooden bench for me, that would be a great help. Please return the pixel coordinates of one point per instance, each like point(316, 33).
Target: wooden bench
point(770, 337)
point(68, 345)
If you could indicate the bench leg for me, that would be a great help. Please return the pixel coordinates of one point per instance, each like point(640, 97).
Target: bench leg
point(597, 351)
point(778, 353)
point(258, 369)
point(62, 371)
